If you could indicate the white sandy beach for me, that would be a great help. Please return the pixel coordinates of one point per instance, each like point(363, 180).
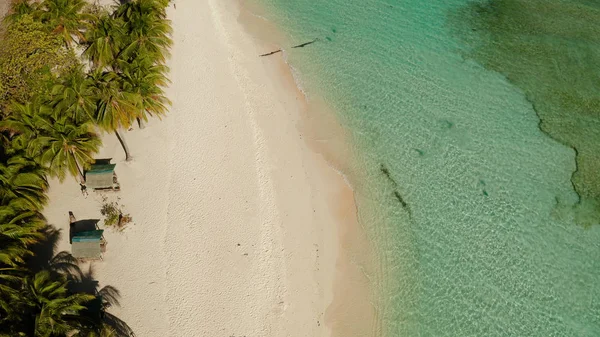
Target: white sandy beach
point(4, 6)
point(235, 220)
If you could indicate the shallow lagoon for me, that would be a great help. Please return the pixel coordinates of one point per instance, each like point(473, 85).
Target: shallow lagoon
point(471, 206)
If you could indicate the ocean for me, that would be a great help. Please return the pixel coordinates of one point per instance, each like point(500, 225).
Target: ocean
point(475, 133)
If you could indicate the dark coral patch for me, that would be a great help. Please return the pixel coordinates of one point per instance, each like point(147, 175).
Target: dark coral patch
point(550, 49)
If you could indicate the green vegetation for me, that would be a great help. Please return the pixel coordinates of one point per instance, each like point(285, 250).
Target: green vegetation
point(125, 49)
point(549, 49)
point(113, 215)
point(31, 59)
point(58, 142)
point(52, 106)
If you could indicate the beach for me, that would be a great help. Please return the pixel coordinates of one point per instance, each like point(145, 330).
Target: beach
point(461, 185)
point(4, 6)
point(331, 168)
point(240, 228)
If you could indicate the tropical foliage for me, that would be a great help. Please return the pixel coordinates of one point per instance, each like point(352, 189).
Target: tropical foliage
point(65, 18)
point(23, 183)
point(58, 142)
point(73, 96)
point(31, 59)
point(51, 108)
point(104, 40)
point(19, 230)
point(128, 49)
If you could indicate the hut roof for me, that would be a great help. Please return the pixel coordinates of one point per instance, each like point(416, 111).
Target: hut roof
point(101, 168)
point(100, 176)
point(88, 236)
point(87, 244)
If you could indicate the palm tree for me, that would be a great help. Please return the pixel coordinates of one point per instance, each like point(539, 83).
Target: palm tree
point(104, 40)
point(115, 108)
point(54, 140)
point(148, 30)
point(66, 147)
point(19, 230)
point(23, 183)
point(101, 322)
point(11, 301)
point(24, 122)
point(132, 10)
point(102, 331)
point(146, 80)
point(65, 17)
point(73, 97)
point(55, 310)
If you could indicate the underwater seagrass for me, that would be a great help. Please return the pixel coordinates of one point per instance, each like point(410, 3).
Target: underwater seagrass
point(550, 49)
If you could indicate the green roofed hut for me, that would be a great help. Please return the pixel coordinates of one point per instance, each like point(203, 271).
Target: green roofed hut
point(102, 176)
point(88, 244)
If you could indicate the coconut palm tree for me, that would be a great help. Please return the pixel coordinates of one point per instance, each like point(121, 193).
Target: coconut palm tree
point(104, 40)
point(132, 10)
point(19, 230)
point(147, 30)
point(73, 97)
point(102, 331)
point(115, 108)
point(101, 322)
point(23, 183)
point(55, 310)
point(65, 17)
point(66, 146)
point(146, 80)
point(54, 140)
point(24, 122)
point(11, 301)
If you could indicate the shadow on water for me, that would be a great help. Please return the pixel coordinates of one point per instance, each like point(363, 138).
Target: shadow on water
point(550, 50)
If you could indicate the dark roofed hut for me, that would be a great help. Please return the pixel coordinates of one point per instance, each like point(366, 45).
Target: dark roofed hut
point(101, 176)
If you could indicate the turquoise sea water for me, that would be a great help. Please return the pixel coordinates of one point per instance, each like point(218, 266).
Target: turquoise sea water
point(470, 205)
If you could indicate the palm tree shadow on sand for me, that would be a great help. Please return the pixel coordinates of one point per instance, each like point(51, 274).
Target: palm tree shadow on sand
point(63, 263)
point(106, 297)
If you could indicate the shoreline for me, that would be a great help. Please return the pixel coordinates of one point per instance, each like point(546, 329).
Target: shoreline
point(325, 137)
point(4, 7)
point(232, 208)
